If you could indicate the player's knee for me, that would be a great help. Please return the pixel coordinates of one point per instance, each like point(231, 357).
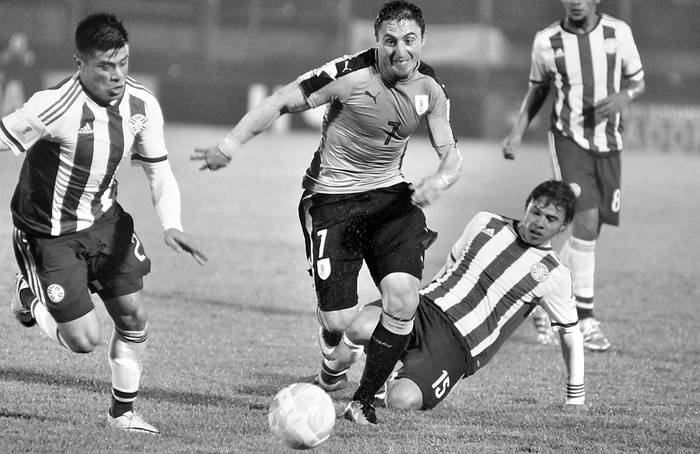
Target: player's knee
point(404, 395)
point(337, 321)
point(81, 343)
point(363, 325)
point(400, 297)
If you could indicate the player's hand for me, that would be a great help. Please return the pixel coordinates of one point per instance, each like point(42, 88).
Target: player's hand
point(610, 105)
point(180, 242)
point(509, 146)
point(213, 158)
point(427, 190)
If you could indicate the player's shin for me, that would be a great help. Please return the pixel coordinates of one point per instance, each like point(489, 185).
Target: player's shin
point(126, 355)
point(388, 342)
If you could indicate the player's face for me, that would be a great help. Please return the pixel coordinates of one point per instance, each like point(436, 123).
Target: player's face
point(103, 73)
point(543, 221)
point(400, 43)
point(579, 11)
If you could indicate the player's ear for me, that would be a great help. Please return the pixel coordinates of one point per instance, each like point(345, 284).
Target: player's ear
point(78, 62)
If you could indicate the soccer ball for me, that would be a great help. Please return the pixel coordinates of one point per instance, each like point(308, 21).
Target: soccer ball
point(301, 416)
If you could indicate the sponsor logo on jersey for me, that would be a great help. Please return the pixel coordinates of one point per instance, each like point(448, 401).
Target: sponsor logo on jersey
point(539, 272)
point(85, 129)
point(421, 102)
point(55, 292)
point(374, 97)
point(323, 268)
point(137, 123)
point(346, 67)
point(610, 45)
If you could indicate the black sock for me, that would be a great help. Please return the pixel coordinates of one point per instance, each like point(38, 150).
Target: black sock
point(383, 352)
point(119, 408)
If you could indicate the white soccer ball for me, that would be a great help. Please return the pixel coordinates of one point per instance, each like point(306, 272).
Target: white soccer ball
point(301, 416)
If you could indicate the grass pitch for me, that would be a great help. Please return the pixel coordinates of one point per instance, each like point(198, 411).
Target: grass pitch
point(225, 337)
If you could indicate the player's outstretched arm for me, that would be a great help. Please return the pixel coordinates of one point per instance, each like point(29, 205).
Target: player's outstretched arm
point(180, 242)
point(288, 99)
point(534, 98)
point(429, 188)
point(572, 350)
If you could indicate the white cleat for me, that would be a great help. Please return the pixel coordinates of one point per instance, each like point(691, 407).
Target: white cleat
point(131, 422)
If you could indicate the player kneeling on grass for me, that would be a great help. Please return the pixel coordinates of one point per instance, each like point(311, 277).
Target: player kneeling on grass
point(494, 276)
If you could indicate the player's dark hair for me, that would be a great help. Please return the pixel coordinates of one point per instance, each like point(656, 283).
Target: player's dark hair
point(399, 10)
point(556, 193)
point(99, 33)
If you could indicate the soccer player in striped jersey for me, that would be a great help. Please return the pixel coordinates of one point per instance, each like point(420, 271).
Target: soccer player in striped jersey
point(71, 237)
point(592, 63)
point(495, 274)
point(356, 205)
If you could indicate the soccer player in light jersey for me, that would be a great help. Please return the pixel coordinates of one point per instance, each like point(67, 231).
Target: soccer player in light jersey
point(592, 63)
point(496, 273)
point(71, 237)
point(356, 205)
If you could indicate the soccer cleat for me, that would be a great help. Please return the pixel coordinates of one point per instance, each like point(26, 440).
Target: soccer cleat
point(593, 337)
point(330, 382)
point(20, 307)
point(362, 413)
point(131, 422)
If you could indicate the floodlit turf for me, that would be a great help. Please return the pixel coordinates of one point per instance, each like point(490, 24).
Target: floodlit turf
point(225, 337)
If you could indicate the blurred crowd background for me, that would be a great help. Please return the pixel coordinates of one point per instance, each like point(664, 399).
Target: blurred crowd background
point(209, 60)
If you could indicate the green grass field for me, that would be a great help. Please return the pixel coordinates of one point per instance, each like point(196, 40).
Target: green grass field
point(225, 337)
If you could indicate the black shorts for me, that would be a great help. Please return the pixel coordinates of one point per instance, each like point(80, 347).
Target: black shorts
point(380, 226)
point(435, 359)
point(106, 258)
point(594, 179)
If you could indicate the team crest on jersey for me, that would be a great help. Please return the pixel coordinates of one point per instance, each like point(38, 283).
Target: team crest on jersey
point(610, 45)
point(421, 102)
point(55, 293)
point(137, 123)
point(539, 272)
point(323, 268)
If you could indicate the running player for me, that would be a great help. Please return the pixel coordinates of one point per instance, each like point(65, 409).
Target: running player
point(356, 205)
point(496, 273)
point(71, 237)
point(592, 62)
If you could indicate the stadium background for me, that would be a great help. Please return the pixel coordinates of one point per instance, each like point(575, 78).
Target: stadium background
point(208, 60)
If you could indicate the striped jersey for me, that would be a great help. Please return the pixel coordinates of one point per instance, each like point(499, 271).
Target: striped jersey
point(494, 282)
point(73, 148)
point(584, 69)
point(368, 122)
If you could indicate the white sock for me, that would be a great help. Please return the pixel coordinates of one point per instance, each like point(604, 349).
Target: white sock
point(126, 354)
point(46, 322)
point(346, 354)
point(579, 256)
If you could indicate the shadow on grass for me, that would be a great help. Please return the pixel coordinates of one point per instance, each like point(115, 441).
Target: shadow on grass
point(245, 397)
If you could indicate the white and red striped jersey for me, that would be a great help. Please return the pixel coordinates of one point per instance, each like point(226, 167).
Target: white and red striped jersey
point(584, 69)
point(368, 122)
point(493, 281)
point(73, 148)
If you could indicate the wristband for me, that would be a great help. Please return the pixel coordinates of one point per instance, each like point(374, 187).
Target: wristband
point(228, 146)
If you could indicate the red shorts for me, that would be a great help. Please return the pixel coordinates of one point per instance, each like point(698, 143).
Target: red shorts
point(106, 258)
point(381, 227)
point(595, 179)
